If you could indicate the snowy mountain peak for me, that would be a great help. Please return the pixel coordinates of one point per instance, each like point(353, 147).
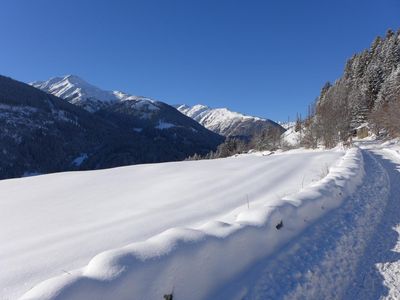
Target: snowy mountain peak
point(74, 89)
point(194, 112)
point(200, 111)
point(77, 91)
point(226, 122)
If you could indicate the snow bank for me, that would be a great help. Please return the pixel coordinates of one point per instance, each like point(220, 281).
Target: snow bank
point(191, 263)
point(392, 147)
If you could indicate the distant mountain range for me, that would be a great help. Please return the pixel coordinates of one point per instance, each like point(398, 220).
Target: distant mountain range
point(219, 120)
point(65, 123)
point(93, 129)
point(226, 122)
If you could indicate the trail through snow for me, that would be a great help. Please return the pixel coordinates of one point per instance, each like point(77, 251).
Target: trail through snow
point(379, 268)
point(352, 253)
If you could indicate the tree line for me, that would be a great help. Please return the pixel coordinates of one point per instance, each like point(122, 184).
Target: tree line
point(368, 94)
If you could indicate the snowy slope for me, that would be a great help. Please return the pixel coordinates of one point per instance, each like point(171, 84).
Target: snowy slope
point(79, 92)
point(73, 88)
point(56, 223)
point(226, 122)
point(291, 136)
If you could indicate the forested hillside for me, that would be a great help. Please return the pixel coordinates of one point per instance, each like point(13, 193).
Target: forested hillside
point(41, 133)
point(367, 94)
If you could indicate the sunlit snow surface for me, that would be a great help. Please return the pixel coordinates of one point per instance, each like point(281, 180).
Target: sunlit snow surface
point(52, 224)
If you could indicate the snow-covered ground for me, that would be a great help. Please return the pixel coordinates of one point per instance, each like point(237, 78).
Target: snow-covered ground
point(291, 136)
point(51, 225)
point(351, 253)
point(295, 225)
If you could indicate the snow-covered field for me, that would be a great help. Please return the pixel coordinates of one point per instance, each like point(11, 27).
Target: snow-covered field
point(54, 224)
point(353, 252)
point(293, 225)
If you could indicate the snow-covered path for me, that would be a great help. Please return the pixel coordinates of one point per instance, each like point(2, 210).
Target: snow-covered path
point(379, 268)
point(352, 253)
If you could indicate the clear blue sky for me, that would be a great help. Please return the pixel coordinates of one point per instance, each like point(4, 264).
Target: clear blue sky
point(264, 58)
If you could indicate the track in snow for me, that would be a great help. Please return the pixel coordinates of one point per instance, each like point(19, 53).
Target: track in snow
point(345, 255)
point(379, 268)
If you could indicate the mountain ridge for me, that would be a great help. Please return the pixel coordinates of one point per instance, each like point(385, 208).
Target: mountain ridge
point(42, 133)
point(226, 122)
point(219, 120)
point(78, 91)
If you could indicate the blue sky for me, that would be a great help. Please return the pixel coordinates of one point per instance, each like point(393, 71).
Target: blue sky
point(264, 58)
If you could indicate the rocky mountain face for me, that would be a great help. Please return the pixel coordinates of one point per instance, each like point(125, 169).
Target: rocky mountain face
point(226, 122)
point(94, 129)
point(81, 93)
point(367, 93)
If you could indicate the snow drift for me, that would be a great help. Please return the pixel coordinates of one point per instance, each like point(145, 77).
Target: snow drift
point(191, 263)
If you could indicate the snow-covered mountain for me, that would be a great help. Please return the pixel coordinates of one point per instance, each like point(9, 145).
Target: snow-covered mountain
point(42, 133)
point(79, 92)
point(219, 120)
point(143, 114)
point(226, 122)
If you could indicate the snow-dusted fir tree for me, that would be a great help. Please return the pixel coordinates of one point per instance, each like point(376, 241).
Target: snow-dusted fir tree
point(368, 91)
